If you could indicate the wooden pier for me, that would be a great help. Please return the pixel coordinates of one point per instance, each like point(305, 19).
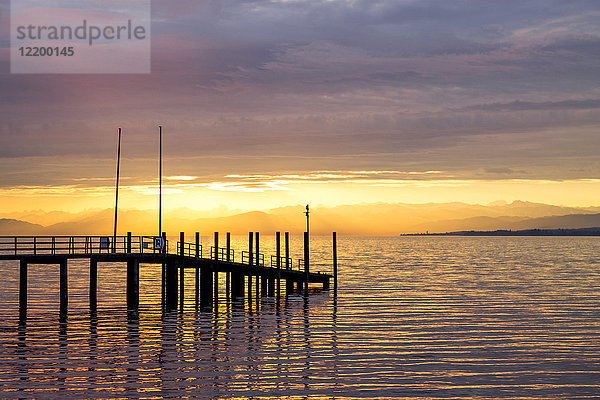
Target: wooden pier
point(136, 250)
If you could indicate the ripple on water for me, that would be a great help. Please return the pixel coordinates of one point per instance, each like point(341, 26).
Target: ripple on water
point(427, 317)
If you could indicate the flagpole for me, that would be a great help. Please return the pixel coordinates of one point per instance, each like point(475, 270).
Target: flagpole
point(114, 244)
point(160, 181)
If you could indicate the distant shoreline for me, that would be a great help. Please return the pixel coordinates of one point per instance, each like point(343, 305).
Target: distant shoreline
point(525, 232)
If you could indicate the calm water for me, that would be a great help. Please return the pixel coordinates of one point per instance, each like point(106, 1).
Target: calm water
point(413, 318)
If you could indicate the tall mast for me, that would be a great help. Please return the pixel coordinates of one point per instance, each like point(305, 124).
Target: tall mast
point(114, 244)
point(160, 181)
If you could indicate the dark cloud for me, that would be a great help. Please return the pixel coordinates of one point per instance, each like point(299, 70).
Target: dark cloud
point(423, 82)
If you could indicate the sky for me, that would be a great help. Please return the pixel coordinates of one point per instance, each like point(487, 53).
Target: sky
point(273, 103)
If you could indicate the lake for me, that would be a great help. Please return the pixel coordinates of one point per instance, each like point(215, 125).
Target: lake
point(414, 317)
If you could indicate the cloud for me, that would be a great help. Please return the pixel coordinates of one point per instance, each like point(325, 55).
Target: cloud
point(588, 104)
point(251, 87)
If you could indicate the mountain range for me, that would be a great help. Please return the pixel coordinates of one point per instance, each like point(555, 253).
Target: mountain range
point(362, 219)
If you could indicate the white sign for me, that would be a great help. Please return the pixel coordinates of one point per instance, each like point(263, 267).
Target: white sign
point(104, 242)
point(159, 243)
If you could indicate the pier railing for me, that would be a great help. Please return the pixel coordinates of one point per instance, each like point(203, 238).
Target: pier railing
point(246, 258)
point(282, 263)
point(222, 254)
point(16, 246)
point(52, 245)
point(190, 249)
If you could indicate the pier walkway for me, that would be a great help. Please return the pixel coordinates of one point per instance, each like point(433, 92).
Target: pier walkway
point(240, 272)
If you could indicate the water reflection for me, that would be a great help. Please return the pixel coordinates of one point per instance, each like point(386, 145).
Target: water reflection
point(447, 319)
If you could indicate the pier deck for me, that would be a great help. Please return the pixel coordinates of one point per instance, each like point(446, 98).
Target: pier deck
point(136, 250)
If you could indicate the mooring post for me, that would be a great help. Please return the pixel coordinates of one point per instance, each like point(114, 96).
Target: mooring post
point(93, 283)
point(306, 262)
point(228, 246)
point(278, 259)
point(271, 286)
point(171, 285)
point(197, 283)
point(181, 269)
point(335, 271)
point(287, 250)
point(128, 242)
point(206, 289)
point(133, 284)
point(228, 259)
point(23, 287)
point(263, 285)
point(234, 285)
point(216, 269)
point(256, 286)
point(237, 284)
point(289, 286)
point(64, 287)
point(257, 249)
point(249, 287)
point(164, 270)
point(181, 244)
point(250, 248)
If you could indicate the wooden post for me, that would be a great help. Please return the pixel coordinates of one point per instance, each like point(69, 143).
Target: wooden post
point(263, 286)
point(133, 284)
point(64, 287)
point(228, 247)
point(216, 247)
point(197, 283)
point(171, 285)
point(234, 285)
point(256, 286)
point(128, 242)
point(206, 289)
point(250, 248)
point(164, 271)
point(216, 268)
point(23, 287)
point(237, 284)
point(287, 250)
point(257, 249)
point(271, 286)
point(289, 286)
point(278, 259)
point(181, 269)
point(181, 285)
point(249, 287)
point(181, 244)
point(93, 283)
point(306, 262)
point(335, 269)
point(228, 259)
point(227, 285)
